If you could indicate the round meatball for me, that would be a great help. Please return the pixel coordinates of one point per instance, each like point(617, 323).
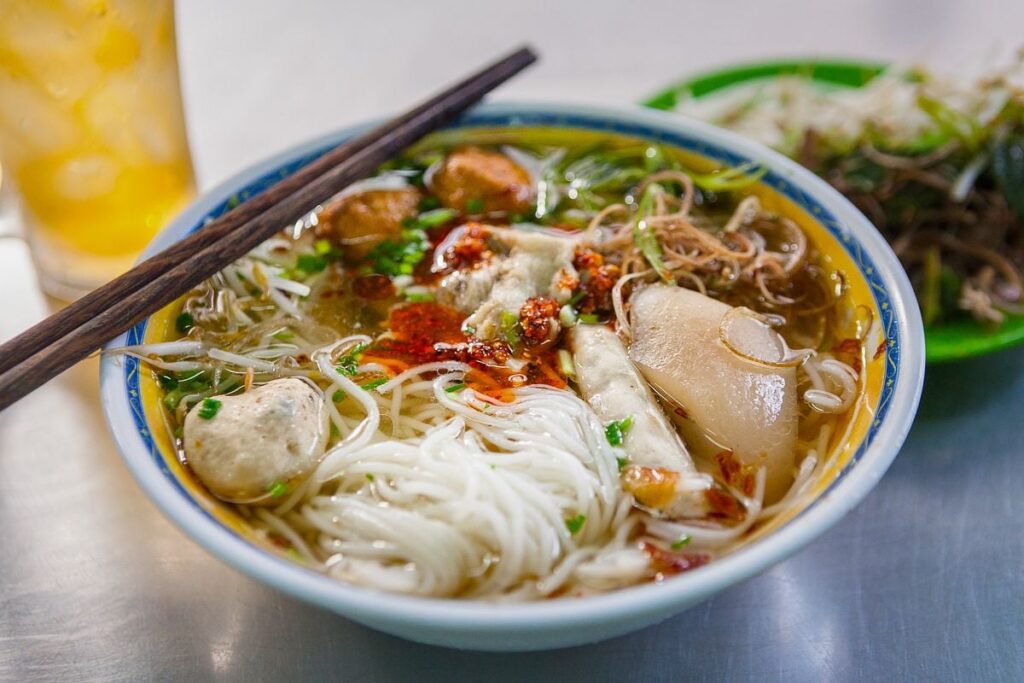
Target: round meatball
point(359, 222)
point(245, 446)
point(474, 181)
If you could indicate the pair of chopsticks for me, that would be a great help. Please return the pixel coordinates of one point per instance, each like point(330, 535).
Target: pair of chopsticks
point(50, 347)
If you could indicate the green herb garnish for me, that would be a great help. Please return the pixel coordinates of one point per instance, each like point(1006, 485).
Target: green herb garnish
point(400, 258)
point(277, 489)
point(369, 477)
point(616, 430)
point(419, 297)
point(209, 408)
point(643, 235)
point(338, 396)
point(191, 383)
point(349, 363)
point(455, 387)
point(474, 206)
point(574, 524)
point(683, 540)
point(326, 249)
point(730, 179)
point(509, 325)
point(429, 203)
point(588, 318)
point(184, 322)
point(654, 158)
point(951, 122)
point(622, 462)
point(374, 383)
point(284, 335)
point(309, 264)
point(434, 218)
point(566, 364)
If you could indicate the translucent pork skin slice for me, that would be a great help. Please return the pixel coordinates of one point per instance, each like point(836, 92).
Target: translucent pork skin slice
point(720, 400)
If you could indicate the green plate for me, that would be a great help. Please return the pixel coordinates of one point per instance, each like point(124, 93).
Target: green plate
point(958, 340)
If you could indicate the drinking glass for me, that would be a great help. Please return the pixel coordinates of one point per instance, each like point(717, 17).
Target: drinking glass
point(92, 132)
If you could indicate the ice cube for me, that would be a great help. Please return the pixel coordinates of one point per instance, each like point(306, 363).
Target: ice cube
point(86, 177)
point(29, 114)
point(52, 50)
point(111, 112)
point(138, 114)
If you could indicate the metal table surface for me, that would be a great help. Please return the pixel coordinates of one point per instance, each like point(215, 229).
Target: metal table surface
point(923, 581)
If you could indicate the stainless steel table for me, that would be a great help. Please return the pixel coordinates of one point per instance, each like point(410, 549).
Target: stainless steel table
point(924, 581)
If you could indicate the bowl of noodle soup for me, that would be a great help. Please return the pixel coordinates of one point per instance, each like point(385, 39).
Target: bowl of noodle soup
point(604, 364)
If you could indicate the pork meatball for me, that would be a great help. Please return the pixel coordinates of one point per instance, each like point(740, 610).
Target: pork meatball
point(241, 447)
point(475, 181)
point(359, 222)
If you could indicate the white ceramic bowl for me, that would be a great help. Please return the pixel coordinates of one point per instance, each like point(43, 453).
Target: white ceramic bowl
point(559, 623)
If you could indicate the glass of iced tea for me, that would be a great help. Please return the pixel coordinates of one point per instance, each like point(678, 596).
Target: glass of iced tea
point(92, 134)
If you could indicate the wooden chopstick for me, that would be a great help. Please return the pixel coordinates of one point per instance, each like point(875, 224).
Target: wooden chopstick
point(66, 337)
point(92, 304)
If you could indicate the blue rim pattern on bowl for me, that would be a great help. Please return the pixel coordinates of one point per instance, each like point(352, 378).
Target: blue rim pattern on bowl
point(689, 143)
point(547, 624)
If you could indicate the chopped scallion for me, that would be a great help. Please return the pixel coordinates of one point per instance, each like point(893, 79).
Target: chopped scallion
point(373, 383)
point(349, 363)
point(567, 316)
point(310, 263)
point(400, 258)
point(277, 489)
point(566, 364)
point(209, 408)
point(323, 247)
point(510, 327)
point(184, 322)
point(429, 203)
point(643, 236)
point(574, 524)
point(455, 387)
point(683, 540)
point(616, 430)
point(327, 250)
point(418, 295)
point(435, 218)
point(730, 179)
